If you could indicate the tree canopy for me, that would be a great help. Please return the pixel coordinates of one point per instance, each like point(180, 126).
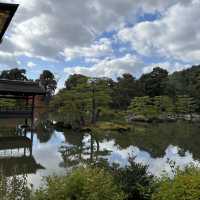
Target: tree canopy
point(48, 81)
point(14, 74)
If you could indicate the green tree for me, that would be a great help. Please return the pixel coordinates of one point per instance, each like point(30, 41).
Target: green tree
point(82, 103)
point(70, 108)
point(186, 82)
point(82, 184)
point(74, 80)
point(195, 89)
point(185, 185)
point(123, 91)
point(143, 106)
point(14, 74)
point(98, 96)
point(185, 104)
point(164, 104)
point(154, 83)
point(134, 179)
point(48, 81)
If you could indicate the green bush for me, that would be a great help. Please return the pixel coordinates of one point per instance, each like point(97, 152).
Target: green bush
point(82, 184)
point(134, 179)
point(185, 185)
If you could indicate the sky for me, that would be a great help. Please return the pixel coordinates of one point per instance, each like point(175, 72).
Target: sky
point(102, 37)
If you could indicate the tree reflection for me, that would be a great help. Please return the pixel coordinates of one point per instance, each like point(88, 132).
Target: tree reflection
point(16, 161)
point(156, 138)
point(151, 138)
point(44, 131)
point(14, 187)
point(82, 148)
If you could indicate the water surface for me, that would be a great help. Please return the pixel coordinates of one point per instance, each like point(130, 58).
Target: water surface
point(57, 151)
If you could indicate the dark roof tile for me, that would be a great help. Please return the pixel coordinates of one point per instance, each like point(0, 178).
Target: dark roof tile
point(20, 87)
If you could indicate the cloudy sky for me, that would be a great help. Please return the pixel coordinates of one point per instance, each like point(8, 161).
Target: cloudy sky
point(102, 37)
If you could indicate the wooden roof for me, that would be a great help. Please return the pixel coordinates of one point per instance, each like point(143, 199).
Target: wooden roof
point(21, 88)
point(7, 12)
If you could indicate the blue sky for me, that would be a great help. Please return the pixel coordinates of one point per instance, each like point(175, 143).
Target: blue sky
point(102, 37)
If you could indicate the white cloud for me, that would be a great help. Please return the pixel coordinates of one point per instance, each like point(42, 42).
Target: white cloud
point(175, 35)
point(7, 60)
point(31, 64)
point(170, 67)
point(103, 47)
point(45, 28)
point(110, 67)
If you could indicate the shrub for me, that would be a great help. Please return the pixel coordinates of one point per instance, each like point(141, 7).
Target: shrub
point(134, 179)
point(82, 184)
point(184, 185)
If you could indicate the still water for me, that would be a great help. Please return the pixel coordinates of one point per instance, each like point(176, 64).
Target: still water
point(55, 151)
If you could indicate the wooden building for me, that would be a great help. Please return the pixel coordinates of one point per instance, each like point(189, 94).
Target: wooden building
point(24, 90)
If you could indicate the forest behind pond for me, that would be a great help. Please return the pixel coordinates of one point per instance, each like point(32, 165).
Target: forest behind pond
point(84, 101)
point(155, 96)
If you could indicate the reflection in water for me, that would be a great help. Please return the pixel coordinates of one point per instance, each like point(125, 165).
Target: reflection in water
point(55, 151)
point(14, 186)
point(84, 149)
point(16, 151)
point(16, 161)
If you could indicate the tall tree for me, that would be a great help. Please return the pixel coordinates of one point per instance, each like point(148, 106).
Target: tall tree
point(14, 74)
point(48, 81)
point(154, 83)
point(124, 90)
point(74, 80)
point(99, 95)
point(82, 104)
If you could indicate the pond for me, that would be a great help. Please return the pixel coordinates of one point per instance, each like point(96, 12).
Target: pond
point(55, 151)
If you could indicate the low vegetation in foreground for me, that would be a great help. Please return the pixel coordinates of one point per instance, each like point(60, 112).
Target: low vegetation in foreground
point(101, 181)
point(184, 185)
point(132, 182)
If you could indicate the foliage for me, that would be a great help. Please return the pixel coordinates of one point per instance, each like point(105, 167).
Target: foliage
point(134, 179)
point(158, 105)
point(154, 83)
point(83, 103)
point(164, 104)
point(81, 184)
point(110, 114)
point(74, 80)
point(14, 74)
point(48, 81)
point(123, 91)
point(158, 92)
point(143, 106)
point(187, 82)
point(70, 108)
point(185, 185)
point(185, 104)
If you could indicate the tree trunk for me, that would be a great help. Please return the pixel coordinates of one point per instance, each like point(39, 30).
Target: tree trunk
point(93, 120)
